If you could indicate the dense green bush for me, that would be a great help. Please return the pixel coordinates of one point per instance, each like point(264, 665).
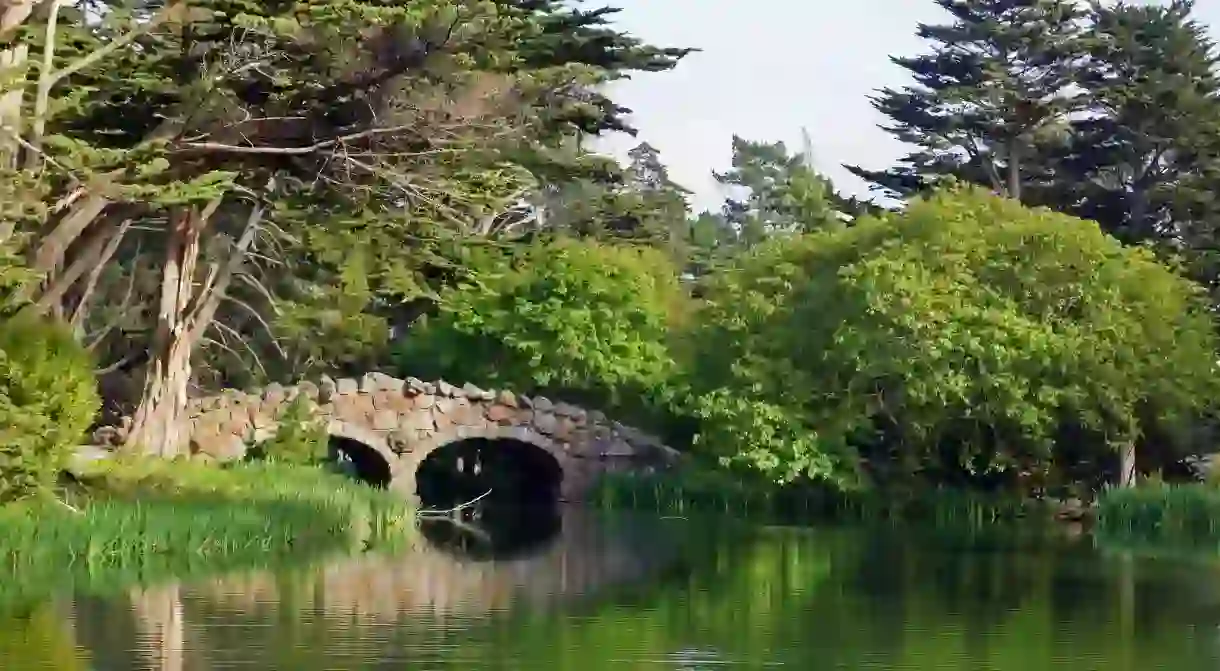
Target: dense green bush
point(300, 437)
point(586, 321)
point(958, 339)
point(48, 399)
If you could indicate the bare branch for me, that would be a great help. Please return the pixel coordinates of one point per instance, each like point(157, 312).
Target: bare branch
point(82, 304)
point(294, 151)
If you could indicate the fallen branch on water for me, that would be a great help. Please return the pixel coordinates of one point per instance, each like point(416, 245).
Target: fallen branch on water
point(450, 511)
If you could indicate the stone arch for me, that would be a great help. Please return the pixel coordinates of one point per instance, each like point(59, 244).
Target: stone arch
point(374, 461)
point(407, 482)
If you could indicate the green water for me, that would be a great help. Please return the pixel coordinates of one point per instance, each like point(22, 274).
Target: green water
point(632, 592)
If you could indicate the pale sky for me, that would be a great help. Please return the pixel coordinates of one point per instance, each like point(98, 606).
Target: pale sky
point(769, 67)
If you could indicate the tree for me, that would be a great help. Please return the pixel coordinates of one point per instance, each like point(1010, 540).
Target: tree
point(1143, 156)
point(958, 340)
point(581, 320)
point(995, 88)
point(257, 167)
point(48, 400)
point(781, 192)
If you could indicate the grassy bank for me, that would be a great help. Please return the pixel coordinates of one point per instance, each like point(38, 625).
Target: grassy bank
point(1161, 511)
point(134, 521)
point(709, 491)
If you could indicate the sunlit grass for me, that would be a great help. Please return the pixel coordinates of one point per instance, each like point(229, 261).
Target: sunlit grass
point(133, 521)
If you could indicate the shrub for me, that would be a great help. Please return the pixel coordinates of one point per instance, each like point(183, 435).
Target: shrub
point(585, 320)
point(299, 439)
point(962, 336)
point(48, 399)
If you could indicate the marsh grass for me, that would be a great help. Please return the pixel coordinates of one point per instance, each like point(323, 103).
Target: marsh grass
point(137, 521)
point(1160, 511)
point(706, 491)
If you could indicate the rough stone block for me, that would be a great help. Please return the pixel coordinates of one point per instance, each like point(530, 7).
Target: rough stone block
point(477, 394)
point(222, 447)
point(501, 414)
point(545, 422)
point(415, 421)
point(385, 420)
point(275, 394)
point(346, 386)
point(354, 408)
point(327, 389)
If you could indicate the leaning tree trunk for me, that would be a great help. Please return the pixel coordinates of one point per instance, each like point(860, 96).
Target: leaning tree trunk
point(158, 425)
point(186, 310)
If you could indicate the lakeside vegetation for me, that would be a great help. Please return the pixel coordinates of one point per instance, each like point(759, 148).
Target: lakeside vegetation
point(266, 191)
point(137, 521)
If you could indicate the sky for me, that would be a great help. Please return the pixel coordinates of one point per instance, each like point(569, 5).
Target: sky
point(767, 68)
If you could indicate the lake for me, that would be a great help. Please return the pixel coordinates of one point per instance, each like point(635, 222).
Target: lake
point(590, 592)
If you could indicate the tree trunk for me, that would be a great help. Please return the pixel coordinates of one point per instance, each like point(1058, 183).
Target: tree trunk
point(1014, 170)
point(13, 62)
point(12, 66)
point(1126, 477)
point(158, 426)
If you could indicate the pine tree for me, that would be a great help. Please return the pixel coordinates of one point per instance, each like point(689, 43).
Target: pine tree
point(1142, 160)
point(995, 87)
point(779, 192)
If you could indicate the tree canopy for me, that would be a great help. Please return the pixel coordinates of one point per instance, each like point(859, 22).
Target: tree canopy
point(965, 333)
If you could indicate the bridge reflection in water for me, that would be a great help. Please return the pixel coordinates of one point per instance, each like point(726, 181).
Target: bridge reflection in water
point(457, 576)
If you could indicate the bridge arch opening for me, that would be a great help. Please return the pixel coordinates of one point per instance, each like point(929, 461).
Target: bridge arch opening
point(503, 472)
point(360, 460)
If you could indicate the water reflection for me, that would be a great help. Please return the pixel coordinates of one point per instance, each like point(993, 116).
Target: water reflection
point(613, 593)
point(496, 533)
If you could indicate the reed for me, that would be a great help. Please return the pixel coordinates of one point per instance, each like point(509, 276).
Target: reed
point(131, 521)
point(706, 491)
point(1160, 511)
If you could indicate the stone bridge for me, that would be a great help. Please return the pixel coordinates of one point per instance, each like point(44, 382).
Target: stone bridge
point(403, 421)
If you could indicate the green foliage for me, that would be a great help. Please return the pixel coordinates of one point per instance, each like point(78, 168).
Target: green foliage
point(994, 88)
point(572, 317)
point(300, 437)
point(783, 194)
point(48, 399)
point(961, 336)
point(144, 519)
point(15, 277)
point(717, 492)
point(1171, 512)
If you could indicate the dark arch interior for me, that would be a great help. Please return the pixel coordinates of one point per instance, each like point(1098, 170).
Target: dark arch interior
point(360, 461)
point(504, 472)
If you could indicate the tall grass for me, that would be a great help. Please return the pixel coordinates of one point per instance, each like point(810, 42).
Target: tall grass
point(708, 491)
point(135, 521)
point(1160, 511)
